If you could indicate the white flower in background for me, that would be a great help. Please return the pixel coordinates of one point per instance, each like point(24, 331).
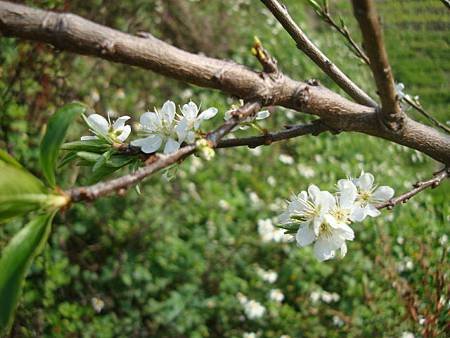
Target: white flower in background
point(337, 321)
point(315, 296)
point(286, 159)
point(368, 196)
point(160, 128)
point(306, 171)
point(328, 297)
point(269, 233)
point(249, 335)
point(400, 240)
point(97, 304)
point(268, 276)
point(407, 334)
point(443, 240)
point(118, 132)
point(191, 120)
point(253, 309)
point(276, 295)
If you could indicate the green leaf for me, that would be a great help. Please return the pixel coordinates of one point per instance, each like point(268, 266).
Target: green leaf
point(95, 146)
point(15, 261)
point(7, 158)
point(20, 191)
point(53, 138)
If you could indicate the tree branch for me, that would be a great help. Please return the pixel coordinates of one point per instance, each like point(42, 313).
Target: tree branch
point(315, 54)
point(433, 182)
point(314, 128)
point(73, 33)
point(366, 15)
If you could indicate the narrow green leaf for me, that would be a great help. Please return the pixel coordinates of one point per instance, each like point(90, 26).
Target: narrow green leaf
point(7, 158)
point(95, 146)
point(15, 261)
point(20, 191)
point(53, 138)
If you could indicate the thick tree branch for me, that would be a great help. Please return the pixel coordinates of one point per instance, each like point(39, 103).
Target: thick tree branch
point(72, 33)
point(369, 22)
point(305, 45)
point(156, 162)
point(433, 182)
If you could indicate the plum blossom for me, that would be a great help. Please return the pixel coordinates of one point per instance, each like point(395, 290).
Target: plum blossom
point(268, 276)
point(368, 196)
point(322, 221)
point(252, 309)
point(160, 128)
point(276, 295)
point(191, 120)
point(102, 128)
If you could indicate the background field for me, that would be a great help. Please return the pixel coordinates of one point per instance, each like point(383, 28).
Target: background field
point(170, 262)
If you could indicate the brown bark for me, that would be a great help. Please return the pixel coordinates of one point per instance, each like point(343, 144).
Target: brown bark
point(73, 33)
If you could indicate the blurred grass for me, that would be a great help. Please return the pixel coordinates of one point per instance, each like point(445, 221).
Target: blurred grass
point(170, 262)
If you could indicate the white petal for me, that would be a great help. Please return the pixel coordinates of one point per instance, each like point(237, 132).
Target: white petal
point(168, 111)
point(347, 195)
point(98, 123)
point(383, 193)
point(120, 122)
point(181, 129)
point(359, 214)
point(190, 137)
point(263, 114)
point(148, 120)
point(326, 200)
point(284, 217)
point(346, 232)
point(171, 146)
point(305, 236)
point(365, 181)
point(149, 144)
point(313, 192)
point(332, 221)
point(343, 250)
point(125, 133)
point(87, 138)
point(208, 114)
point(372, 211)
point(324, 249)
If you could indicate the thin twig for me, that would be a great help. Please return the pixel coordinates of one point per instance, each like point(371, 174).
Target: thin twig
point(325, 14)
point(315, 54)
point(419, 108)
point(157, 162)
point(366, 14)
point(314, 128)
point(433, 182)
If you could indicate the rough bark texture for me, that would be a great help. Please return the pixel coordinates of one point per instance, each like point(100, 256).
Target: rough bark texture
point(73, 33)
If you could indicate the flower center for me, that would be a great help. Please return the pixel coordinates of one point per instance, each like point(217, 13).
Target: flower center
point(325, 230)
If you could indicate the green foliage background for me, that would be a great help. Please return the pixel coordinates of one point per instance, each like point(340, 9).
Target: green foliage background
point(170, 262)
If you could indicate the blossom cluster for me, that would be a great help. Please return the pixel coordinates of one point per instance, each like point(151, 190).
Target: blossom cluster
point(324, 219)
point(161, 129)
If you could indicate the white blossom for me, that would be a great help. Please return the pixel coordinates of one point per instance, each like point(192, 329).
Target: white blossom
point(102, 128)
point(191, 120)
point(270, 233)
point(286, 159)
point(322, 222)
point(268, 276)
point(249, 335)
point(159, 126)
point(407, 334)
point(97, 304)
point(368, 196)
point(276, 295)
point(253, 309)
